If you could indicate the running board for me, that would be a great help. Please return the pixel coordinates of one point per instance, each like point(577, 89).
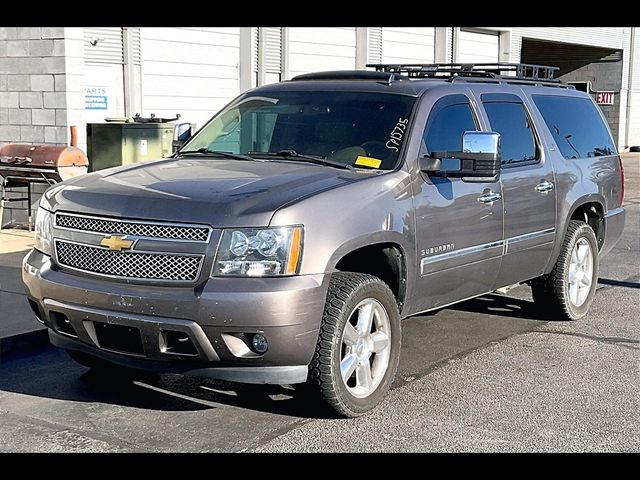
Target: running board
point(504, 290)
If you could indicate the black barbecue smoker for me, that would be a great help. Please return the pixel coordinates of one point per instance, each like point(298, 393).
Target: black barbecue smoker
point(22, 165)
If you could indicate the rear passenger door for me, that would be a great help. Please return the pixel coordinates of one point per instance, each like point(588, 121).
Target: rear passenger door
point(528, 187)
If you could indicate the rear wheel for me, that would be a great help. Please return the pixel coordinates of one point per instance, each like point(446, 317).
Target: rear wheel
point(358, 347)
point(567, 292)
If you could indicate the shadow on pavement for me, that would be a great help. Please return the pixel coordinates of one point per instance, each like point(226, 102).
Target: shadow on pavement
point(52, 374)
point(618, 283)
point(494, 304)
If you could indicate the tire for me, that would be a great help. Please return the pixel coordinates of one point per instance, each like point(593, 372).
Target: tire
point(352, 296)
point(553, 292)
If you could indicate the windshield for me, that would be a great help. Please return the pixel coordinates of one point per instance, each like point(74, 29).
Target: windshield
point(353, 128)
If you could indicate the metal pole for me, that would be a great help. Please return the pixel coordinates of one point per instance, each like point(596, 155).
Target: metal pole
point(630, 86)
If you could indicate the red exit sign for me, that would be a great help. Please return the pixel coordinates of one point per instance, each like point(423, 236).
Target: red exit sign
point(604, 98)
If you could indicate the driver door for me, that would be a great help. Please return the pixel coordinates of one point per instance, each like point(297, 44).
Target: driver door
point(458, 232)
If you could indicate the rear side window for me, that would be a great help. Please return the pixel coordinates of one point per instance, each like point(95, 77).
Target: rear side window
point(576, 126)
point(450, 117)
point(510, 120)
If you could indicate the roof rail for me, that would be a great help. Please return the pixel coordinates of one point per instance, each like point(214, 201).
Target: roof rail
point(522, 72)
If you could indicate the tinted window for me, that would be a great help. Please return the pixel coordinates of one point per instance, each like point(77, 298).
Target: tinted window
point(449, 119)
point(576, 126)
point(510, 120)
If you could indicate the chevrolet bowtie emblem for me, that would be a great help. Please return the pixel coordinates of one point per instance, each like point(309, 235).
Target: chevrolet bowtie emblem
point(116, 243)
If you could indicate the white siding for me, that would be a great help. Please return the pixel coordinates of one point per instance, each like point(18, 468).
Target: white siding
point(408, 45)
point(478, 47)
point(191, 71)
point(317, 49)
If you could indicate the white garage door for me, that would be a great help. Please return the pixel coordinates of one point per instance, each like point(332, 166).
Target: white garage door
point(191, 71)
point(317, 49)
point(478, 47)
point(408, 45)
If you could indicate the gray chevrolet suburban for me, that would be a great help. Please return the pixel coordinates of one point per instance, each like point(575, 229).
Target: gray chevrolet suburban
point(284, 242)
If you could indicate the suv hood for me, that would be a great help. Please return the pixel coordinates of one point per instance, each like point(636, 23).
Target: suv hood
point(221, 192)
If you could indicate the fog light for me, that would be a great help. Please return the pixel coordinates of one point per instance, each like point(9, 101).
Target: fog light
point(259, 343)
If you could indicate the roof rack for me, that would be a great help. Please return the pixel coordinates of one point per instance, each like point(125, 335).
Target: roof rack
point(520, 72)
point(380, 76)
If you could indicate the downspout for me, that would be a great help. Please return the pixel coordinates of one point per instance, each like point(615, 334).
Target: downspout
point(629, 87)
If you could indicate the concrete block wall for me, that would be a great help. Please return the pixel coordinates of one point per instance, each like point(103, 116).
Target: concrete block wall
point(33, 99)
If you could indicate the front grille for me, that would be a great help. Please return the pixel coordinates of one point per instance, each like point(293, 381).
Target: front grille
point(134, 265)
point(137, 229)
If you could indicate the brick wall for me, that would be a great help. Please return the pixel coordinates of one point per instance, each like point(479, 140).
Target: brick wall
point(603, 76)
point(32, 85)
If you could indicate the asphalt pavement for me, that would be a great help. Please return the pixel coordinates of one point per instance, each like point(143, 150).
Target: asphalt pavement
point(489, 374)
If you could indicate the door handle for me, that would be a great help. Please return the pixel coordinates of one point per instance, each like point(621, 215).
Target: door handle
point(489, 197)
point(544, 187)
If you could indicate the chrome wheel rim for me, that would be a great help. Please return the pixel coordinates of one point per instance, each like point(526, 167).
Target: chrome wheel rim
point(580, 272)
point(365, 348)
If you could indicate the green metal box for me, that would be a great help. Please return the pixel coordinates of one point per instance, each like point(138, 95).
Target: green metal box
point(112, 144)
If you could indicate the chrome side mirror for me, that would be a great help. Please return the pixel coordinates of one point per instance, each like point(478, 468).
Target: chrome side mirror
point(479, 160)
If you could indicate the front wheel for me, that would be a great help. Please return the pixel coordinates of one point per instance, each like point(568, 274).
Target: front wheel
point(358, 347)
point(567, 292)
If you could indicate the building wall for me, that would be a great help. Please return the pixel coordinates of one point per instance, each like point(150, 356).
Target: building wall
point(633, 131)
point(33, 85)
point(195, 71)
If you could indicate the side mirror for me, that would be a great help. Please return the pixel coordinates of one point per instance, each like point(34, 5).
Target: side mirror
point(181, 133)
point(479, 160)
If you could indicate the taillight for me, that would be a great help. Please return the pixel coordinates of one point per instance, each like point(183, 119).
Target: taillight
point(621, 181)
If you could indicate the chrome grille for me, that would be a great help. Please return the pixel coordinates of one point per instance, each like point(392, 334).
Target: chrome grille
point(134, 265)
point(138, 229)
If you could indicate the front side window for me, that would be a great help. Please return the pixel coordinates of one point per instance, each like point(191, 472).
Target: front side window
point(450, 117)
point(510, 120)
point(333, 125)
point(576, 126)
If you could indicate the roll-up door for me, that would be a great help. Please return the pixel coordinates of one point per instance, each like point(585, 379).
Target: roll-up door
point(408, 44)
point(478, 47)
point(317, 49)
point(191, 71)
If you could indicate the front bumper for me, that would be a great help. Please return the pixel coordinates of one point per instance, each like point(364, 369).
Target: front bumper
point(286, 310)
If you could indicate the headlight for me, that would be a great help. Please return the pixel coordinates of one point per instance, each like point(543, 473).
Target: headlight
point(259, 252)
point(43, 231)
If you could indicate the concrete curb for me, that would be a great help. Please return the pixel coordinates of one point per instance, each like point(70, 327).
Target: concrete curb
point(23, 344)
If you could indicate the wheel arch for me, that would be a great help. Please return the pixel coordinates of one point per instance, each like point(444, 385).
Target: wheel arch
point(385, 257)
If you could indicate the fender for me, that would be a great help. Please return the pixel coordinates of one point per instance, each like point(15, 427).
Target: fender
point(563, 224)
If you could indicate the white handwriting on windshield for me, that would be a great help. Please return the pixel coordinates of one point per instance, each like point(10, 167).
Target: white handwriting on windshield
point(395, 138)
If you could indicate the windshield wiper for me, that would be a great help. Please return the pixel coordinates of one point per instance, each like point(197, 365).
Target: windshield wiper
point(219, 153)
point(304, 158)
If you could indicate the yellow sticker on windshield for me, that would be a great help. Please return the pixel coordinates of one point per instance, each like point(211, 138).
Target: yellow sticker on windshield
point(368, 161)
